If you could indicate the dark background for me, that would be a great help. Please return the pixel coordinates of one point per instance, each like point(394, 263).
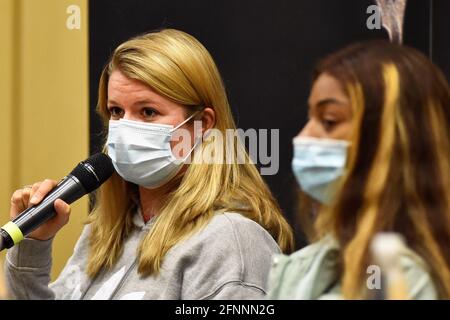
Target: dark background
point(265, 51)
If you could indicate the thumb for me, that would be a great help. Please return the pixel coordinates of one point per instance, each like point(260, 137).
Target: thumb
point(62, 213)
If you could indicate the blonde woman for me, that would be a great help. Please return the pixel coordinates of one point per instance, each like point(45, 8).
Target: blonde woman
point(162, 228)
point(374, 157)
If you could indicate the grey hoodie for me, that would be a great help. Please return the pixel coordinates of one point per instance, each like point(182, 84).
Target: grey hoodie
point(228, 259)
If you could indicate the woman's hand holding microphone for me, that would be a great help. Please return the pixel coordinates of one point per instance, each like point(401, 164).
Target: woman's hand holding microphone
point(34, 194)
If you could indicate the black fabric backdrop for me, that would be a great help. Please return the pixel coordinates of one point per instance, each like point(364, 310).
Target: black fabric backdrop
point(265, 51)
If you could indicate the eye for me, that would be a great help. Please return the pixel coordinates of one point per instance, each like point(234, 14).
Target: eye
point(115, 112)
point(148, 113)
point(329, 124)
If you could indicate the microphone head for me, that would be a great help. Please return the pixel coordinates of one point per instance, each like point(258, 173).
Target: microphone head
point(93, 171)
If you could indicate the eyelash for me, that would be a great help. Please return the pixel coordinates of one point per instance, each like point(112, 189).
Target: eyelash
point(329, 124)
point(116, 112)
point(113, 110)
point(153, 112)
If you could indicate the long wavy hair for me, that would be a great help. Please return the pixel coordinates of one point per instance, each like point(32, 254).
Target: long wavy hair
point(179, 68)
point(398, 167)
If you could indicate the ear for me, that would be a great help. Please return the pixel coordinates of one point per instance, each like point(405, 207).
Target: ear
point(208, 118)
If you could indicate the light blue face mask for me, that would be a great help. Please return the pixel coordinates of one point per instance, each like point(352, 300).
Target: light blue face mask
point(141, 152)
point(318, 164)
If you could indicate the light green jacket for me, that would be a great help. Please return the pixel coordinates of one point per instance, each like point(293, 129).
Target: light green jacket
point(311, 273)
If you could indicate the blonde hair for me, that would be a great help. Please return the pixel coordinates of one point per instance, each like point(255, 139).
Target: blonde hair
point(178, 67)
point(398, 167)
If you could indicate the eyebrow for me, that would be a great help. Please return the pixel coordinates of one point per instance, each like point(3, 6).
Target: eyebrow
point(324, 102)
point(112, 102)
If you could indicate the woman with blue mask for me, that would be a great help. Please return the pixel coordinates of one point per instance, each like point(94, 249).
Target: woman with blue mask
point(320, 149)
point(167, 224)
point(374, 158)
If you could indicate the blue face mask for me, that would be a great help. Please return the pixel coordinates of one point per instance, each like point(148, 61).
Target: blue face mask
point(318, 164)
point(141, 152)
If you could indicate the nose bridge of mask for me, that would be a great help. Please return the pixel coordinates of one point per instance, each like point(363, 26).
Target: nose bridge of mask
point(137, 133)
point(143, 127)
point(323, 142)
point(161, 129)
point(153, 135)
point(321, 152)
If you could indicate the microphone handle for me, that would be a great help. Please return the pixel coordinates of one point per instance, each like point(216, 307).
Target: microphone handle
point(68, 189)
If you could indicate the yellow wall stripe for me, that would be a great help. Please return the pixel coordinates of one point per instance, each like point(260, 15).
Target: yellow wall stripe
point(44, 102)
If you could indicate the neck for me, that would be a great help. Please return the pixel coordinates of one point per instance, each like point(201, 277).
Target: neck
point(152, 200)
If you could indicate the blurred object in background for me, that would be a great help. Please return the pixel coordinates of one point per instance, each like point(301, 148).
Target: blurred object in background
point(392, 17)
point(387, 249)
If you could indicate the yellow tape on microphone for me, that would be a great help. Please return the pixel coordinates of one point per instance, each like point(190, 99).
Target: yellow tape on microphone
point(14, 232)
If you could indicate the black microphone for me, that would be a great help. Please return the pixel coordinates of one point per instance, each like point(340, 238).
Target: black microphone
point(87, 176)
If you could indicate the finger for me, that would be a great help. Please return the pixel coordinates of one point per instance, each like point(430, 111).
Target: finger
point(33, 190)
point(42, 191)
point(26, 197)
point(17, 205)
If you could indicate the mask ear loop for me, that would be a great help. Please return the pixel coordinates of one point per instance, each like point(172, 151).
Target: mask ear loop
point(197, 140)
point(185, 121)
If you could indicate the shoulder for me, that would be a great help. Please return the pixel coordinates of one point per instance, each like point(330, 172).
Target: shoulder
point(417, 276)
point(310, 272)
point(233, 231)
point(305, 258)
point(234, 220)
point(230, 253)
point(83, 240)
point(306, 273)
